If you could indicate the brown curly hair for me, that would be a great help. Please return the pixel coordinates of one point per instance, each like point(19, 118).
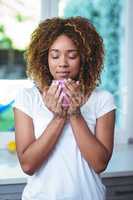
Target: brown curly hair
point(83, 34)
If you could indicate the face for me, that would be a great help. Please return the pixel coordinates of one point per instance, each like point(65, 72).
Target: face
point(64, 58)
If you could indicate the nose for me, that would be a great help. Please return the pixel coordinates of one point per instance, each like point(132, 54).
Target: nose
point(63, 61)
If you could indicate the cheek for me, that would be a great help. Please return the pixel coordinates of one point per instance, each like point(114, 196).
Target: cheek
point(51, 64)
point(76, 66)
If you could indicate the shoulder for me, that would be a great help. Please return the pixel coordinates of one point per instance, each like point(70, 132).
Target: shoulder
point(26, 92)
point(101, 93)
point(24, 99)
point(104, 101)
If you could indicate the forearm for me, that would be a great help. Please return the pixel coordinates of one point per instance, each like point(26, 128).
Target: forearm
point(90, 147)
point(39, 150)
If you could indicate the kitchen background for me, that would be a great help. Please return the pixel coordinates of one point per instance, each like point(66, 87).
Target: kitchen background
point(114, 21)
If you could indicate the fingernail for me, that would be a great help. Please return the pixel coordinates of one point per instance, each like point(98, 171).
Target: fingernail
point(69, 79)
point(55, 82)
point(60, 87)
point(44, 94)
point(77, 82)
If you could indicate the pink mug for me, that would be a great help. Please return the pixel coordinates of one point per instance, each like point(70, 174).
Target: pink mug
point(65, 102)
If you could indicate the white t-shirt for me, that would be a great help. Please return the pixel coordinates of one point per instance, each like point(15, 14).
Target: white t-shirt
point(65, 175)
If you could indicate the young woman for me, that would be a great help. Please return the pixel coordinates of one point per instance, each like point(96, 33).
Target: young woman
point(62, 148)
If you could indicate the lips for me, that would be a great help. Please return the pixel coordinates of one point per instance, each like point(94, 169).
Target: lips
point(63, 74)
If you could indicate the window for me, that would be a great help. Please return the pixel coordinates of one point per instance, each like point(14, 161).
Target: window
point(18, 19)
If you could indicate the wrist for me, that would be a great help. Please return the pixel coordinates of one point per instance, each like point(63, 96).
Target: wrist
point(59, 120)
point(60, 115)
point(75, 113)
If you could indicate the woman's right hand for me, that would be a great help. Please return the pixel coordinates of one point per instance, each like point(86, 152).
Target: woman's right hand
point(53, 99)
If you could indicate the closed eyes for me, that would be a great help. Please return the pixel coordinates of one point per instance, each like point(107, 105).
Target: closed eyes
point(69, 55)
point(72, 53)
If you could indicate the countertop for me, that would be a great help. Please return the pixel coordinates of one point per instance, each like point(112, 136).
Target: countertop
point(121, 164)
point(10, 169)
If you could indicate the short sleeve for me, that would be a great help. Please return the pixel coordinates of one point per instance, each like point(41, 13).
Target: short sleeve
point(105, 103)
point(23, 101)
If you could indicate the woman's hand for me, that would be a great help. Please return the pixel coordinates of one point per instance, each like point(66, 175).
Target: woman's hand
point(53, 99)
point(73, 90)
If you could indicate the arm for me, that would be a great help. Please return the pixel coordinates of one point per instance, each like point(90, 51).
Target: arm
point(33, 152)
point(96, 149)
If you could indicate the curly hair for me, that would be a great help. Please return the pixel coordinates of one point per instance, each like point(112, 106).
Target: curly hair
point(86, 38)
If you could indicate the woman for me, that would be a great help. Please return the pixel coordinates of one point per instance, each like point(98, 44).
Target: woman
point(63, 149)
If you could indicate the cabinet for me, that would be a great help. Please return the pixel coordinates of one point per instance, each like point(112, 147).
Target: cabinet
point(118, 188)
point(11, 191)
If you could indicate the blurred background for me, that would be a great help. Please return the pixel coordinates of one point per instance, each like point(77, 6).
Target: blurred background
point(113, 20)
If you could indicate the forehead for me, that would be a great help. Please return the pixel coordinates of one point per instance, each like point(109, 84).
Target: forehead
point(63, 42)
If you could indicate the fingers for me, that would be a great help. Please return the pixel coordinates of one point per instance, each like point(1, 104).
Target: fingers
point(52, 95)
point(61, 98)
point(72, 88)
point(55, 94)
point(53, 88)
point(72, 85)
point(56, 97)
point(62, 112)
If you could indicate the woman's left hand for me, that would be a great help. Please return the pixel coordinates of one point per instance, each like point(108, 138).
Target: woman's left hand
point(73, 90)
